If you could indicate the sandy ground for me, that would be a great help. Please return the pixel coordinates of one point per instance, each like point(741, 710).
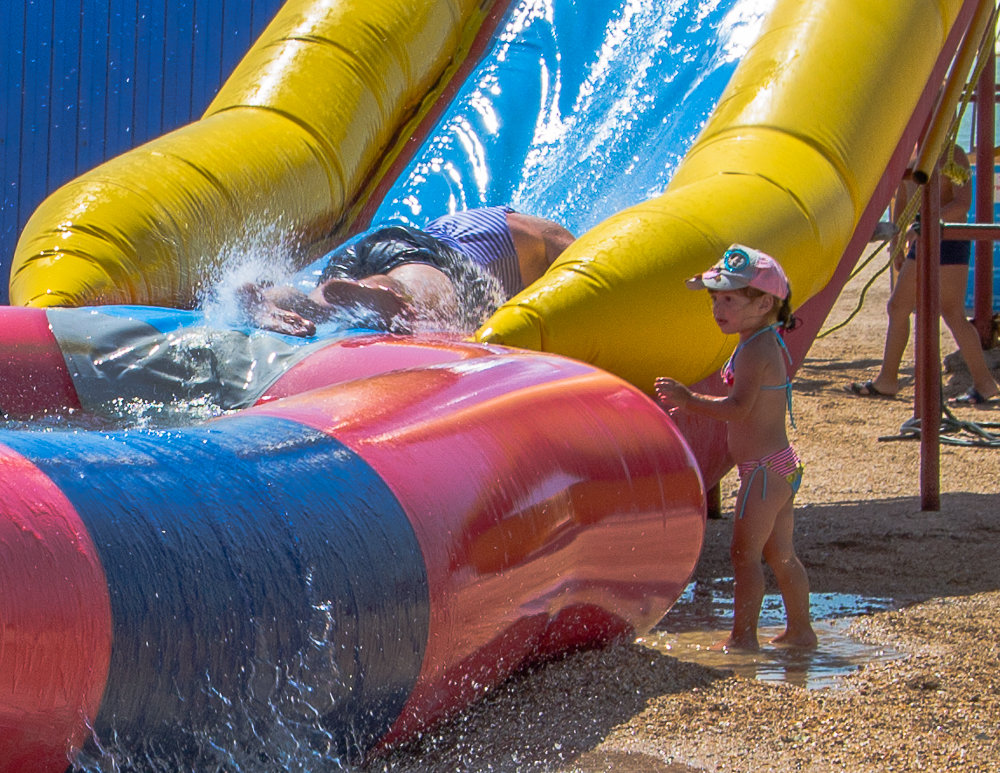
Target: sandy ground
point(860, 530)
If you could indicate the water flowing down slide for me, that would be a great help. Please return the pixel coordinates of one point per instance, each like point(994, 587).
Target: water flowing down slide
point(398, 524)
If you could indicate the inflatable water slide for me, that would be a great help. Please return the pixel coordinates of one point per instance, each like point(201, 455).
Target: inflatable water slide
point(388, 525)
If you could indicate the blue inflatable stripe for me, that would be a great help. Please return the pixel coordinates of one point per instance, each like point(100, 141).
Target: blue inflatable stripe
point(261, 575)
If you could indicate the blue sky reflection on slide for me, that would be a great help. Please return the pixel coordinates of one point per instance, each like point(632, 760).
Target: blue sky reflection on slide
point(579, 109)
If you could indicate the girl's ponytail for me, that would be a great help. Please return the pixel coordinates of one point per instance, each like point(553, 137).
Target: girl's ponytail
point(786, 320)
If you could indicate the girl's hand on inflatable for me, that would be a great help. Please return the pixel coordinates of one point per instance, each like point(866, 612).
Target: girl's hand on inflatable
point(671, 392)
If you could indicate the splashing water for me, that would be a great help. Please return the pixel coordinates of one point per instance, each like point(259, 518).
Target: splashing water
point(265, 253)
point(279, 723)
point(576, 122)
point(147, 367)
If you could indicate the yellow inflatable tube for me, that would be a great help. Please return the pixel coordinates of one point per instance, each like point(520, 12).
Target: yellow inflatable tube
point(295, 136)
point(787, 163)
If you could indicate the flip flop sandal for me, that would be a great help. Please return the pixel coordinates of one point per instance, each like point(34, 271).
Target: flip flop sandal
point(866, 389)
point(973, 398)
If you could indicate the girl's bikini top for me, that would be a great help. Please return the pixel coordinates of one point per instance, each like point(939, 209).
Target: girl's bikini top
point(729, 375)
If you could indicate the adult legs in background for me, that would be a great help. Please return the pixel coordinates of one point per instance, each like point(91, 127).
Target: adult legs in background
point(954, 281)
point(901, 303)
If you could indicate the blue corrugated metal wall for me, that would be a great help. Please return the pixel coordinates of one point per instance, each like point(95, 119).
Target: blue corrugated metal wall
point(84, 80)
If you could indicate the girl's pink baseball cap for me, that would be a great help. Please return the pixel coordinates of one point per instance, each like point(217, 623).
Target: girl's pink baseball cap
point(744, 267)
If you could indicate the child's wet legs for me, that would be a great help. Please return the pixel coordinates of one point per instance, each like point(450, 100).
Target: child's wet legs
point(751, 529)
point(748, 595)
point(793, 582)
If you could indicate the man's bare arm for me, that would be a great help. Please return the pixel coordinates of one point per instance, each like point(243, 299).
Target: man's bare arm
point(281, 309)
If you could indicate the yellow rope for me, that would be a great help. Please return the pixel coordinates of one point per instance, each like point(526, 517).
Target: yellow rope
point(864, 291)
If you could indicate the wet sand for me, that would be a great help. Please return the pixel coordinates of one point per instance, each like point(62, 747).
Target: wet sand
point(860, 531)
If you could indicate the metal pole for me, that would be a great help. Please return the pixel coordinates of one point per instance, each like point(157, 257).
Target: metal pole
point(982, 296)
point(970, 231)
point(928, 346)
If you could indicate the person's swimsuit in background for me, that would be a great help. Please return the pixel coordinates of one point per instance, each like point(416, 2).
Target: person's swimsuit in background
point(953, 253)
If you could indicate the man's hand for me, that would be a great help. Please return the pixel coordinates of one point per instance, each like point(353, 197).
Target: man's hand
point(267, 308)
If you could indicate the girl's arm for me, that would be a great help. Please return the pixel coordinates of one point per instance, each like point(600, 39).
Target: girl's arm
point(735, 406)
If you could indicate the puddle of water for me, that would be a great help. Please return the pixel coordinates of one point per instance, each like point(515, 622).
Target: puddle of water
point(710, 603)
point(701, 617)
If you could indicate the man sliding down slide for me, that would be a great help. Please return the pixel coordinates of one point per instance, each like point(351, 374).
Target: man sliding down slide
point(459, 267)
point(122, 362)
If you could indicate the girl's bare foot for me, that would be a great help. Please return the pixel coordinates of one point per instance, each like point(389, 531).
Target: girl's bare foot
point(803, 640)
point(734, 643)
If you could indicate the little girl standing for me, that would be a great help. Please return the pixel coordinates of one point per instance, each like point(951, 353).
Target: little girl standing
point(750, 297)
